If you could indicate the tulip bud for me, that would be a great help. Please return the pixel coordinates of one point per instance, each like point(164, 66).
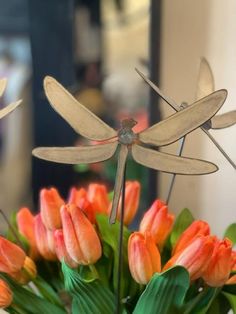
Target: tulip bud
point(44, 240)
point(81, 240)
point(6, 295)
point(61, 250)
point(198, 227)
point(158, 222)
point(98, 196)
point(27, 273)
point(12, 257)
point(233, 260)
point(50, 204)
point(195, 257)
point(144, 257)
point(75, 195)
point(132, 195)
point(80, 199)
point(219, 267)
point(25, 223)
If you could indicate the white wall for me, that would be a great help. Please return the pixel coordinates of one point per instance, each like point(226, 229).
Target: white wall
point(191, 29)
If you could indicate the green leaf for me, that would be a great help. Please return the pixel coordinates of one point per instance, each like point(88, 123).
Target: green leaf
point(88, 296)
point(47, 291)
point(220, 305)
point(31, 303)
point(202, 302)
point(110, 235)
point(81, 168)
point(184, 219)
point(164, 293)
point(11, 234)
point(231, 233)
point(232, 300)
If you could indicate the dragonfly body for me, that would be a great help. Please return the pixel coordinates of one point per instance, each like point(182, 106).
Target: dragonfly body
point(126, 135)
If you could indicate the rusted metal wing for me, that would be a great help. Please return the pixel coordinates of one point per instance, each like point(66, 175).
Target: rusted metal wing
point(171, 163)
point(76, 155)
point(6, 110)
point(184, 121)
point(3, 83)
point(205, 82)
point(82, 120)
point(224, 120)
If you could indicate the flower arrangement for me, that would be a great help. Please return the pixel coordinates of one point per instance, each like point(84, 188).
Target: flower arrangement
point(65, 259)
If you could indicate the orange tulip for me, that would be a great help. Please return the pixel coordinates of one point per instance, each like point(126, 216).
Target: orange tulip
point(144, 257)
point(233, 260)
point(50, 204)
point(25, 223)
point(12, 257)
point(6, 295)
point(75, 195)
point(219, 267)
point(132, 195)
point(232, 280)
point(195, 257)
point(198, 227)
point(98, 196)
point(158, 222)
point(61, 250)
point(81, 240)
point(44, 240)
point(27, 273)
point(80, 199)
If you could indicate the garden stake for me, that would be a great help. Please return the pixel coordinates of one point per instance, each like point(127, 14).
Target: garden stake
point(217, 122)
point(84, 122)
point(121, 235)
point(172, 182)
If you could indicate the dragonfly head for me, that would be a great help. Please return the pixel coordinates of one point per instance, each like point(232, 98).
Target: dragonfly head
point(128, 123)
point(126, 135)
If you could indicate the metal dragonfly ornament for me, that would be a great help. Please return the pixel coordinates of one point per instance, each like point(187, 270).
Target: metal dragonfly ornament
point(5, 111)
point(85, 123)
point(205, 86)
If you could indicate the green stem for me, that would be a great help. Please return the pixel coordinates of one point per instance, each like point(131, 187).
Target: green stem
point(94, 271)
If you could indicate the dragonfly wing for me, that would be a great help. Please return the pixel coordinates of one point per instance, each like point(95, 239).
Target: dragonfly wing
point(3, 84)
point(205, 83)
point(184, 121)
point(171, 163)
point(158, 91)
point(82, 120)
point(6, 110)
point(224, 120)
point(76, 155)
point(118, 182)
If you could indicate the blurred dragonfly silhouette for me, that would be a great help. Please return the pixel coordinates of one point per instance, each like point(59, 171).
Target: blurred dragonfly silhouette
point(85, 123)
point(205, 86)
point(12, 106)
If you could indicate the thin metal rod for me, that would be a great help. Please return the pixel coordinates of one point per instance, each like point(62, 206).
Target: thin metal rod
point(18, 241)
point(120, 262)
point(154, 57)
point(172, 182)
point(219, 147)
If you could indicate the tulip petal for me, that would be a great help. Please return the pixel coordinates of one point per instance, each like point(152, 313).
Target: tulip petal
point(87, 237)
point(71, 242)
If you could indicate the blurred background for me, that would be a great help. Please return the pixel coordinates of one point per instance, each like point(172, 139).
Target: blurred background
point(92, 48)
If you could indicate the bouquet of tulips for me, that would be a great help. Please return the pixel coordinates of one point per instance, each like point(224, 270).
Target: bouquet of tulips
point(65, 259)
